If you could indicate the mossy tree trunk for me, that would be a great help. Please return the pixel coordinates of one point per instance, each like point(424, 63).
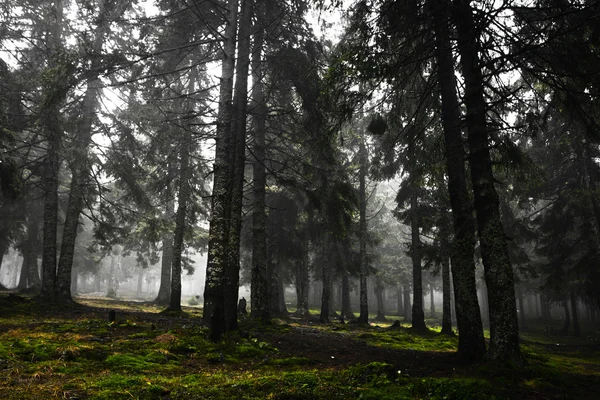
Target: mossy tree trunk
point(471, 344)
point(504, 327)
point(218, 242)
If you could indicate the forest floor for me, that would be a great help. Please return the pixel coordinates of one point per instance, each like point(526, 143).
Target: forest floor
point(75, 353)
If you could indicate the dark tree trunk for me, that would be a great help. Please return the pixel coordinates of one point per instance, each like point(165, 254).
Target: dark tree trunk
point(567, 316)
point(180, 224)
point(576, 329)
point(164, 290)
point(33, 275)
point(240, 101)
point(326, 293)
point(471, 344)
point(346, 311)
point(302, 280)
point(363, 318)
point(218, 241)
point(50, 120)
point(22, 284)
point(259, 299)
point(418, 316)
point(504, 327)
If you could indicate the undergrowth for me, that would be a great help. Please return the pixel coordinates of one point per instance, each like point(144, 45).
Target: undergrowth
point(75, 353)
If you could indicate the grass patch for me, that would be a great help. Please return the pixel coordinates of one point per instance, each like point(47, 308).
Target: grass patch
point(76, 353)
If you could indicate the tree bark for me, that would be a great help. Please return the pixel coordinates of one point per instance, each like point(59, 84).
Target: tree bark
point(576, 328)
point(164, 290)
point(183, 198)
point(240, 100)
point(567, 316)
point(346, 311)
point(504, 327)
point(471, 343)
point(326, 271)
point(418, 316)
point(218, 242)
point(363, 318)
point(53, 97)
point(259, 299)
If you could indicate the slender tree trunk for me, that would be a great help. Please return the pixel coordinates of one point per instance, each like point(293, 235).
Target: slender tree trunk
point(259, 299)
point(431, 301)
point(504, 327)
point(363, 318)
point(407, 305)
point(346, 306)
point(302, 281)
point(567, 316)
point(218, 242)
point(471, 344)
point(183, 199)
point(80, 165)
point(400, 306)
point(33, 275)
point(576, 328)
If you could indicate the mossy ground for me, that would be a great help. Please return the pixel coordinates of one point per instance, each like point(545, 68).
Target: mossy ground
point(75, 353)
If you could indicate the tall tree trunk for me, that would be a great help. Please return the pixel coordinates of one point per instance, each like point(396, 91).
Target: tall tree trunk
point(576, 329)
point(327, 273)
point(164, 290)
point(259, 299)
point(53, 97)
point(418, 316)
point(218, 241)
point(363, 318)
point(302, 281)
point(471, 343)
point(33, 275)
point(80, 165)
point(240, 101)
point(346, 311)
point(183, 199)
point(504, 327)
